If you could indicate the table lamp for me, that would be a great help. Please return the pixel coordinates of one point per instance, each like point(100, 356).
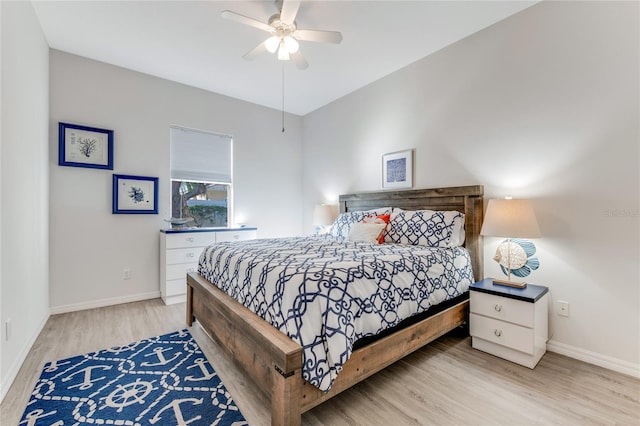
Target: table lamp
point(510, 218)
point(323, 216)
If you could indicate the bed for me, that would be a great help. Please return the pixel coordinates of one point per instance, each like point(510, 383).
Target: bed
point(275, 362)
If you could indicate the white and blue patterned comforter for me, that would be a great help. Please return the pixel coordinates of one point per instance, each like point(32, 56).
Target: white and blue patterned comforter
point(326, 293)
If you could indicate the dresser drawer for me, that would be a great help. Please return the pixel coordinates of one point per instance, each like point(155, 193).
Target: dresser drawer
point(175, 287)
point(180, 253)
point(180, 270)
point(235, 236)
point(191, 239)
point(502, 333)
point(186, 255)
point(503, 308)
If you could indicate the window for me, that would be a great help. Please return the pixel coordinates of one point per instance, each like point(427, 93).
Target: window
point(201, 179)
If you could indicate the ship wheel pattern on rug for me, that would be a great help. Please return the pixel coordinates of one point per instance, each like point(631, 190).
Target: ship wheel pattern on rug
point(164, 380)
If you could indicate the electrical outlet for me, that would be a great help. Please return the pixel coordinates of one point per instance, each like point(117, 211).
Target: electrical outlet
point(126, 274)
point(563, 308)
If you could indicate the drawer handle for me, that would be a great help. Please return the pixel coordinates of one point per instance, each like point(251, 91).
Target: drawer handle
point(190, 254)
point(237, 237)
point(498, 308)
point(497, 332)
point(191, 239)
point(191, 270)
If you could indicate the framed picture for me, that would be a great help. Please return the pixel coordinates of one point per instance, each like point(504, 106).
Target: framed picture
point(397, 169)
point(135, 194)
point(82, 146)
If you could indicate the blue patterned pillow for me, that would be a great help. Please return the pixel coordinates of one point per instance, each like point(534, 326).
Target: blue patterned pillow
point(342, 224)
point(423, 228)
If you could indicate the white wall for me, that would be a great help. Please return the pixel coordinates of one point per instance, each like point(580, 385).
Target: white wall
point(90, 247)
point(543, 105)
point(24, 174)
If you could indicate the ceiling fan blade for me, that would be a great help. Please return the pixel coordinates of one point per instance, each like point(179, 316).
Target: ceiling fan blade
point(299, 60)
point(289, 11)
point(319, 36)
point(255, 51)
point(233, 16)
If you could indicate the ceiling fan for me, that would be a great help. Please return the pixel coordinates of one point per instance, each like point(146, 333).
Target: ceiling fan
point(284, 33)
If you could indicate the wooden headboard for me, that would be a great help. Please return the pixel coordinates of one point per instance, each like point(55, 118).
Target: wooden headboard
point(465, 199)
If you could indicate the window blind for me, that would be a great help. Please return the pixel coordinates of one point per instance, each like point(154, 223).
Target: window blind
point(200, 156)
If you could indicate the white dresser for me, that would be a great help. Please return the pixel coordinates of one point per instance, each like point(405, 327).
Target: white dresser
point(509, 322)
point(180, 251)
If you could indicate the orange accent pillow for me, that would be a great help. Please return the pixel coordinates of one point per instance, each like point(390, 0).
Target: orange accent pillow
point(382, 218)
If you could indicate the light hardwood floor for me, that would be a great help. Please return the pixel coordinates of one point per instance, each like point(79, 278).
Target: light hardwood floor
point(445, 383)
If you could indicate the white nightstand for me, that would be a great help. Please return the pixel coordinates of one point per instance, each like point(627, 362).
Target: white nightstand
point(180, 252)
point(509, 322)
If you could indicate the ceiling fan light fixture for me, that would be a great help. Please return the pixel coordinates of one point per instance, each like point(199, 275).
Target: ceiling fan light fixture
point(284, 35)
point(272, 44)
point(283, 54)
point(291, 44)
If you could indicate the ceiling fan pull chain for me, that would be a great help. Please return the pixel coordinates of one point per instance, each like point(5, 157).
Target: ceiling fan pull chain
point(282, 96)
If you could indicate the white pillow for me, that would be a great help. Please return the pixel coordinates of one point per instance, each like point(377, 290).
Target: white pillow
point(458, 232)
point(367, 232)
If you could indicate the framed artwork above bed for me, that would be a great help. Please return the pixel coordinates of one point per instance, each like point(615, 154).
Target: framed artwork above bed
point(397, 170)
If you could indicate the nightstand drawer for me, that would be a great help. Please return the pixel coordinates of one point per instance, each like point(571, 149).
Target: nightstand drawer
point(183, 255)
point(502, 333)
point(503, 308)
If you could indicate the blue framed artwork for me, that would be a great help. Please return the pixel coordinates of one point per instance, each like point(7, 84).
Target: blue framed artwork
point(135, 194)
point(82, 146)
point(397, 169)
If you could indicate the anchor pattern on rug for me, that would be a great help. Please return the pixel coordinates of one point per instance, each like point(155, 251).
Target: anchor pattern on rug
point(164, 380)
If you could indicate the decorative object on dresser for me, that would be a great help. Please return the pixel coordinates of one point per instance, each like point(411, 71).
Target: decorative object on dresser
point(508, 322)
point(179, 253)
point(512, 219)
point(275, 362)
point(84, 146)
point(397, 169)
point(323, 217)
point(135, 194)
point(178, 222)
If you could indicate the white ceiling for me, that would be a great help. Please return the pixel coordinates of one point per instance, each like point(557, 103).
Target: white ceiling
point(189, 42)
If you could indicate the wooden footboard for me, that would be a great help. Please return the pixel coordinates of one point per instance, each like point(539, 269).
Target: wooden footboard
point(274, 362)
point(269, 357)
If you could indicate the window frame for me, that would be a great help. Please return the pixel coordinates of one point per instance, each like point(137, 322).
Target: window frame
point(229, 185)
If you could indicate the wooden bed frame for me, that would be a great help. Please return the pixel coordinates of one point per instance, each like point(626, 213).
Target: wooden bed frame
point(274, 361)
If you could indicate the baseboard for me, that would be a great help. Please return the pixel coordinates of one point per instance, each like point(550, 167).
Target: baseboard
point(103, 302)
point(12, 372)
point(594, 358)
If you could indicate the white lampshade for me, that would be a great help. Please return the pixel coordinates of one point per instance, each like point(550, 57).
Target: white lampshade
point(324, 214)
point(291, 44)
point(272, 43)
point(283, 54)
point(510, 219)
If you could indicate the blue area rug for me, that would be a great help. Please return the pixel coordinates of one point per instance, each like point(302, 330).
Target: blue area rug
point(164, 380)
